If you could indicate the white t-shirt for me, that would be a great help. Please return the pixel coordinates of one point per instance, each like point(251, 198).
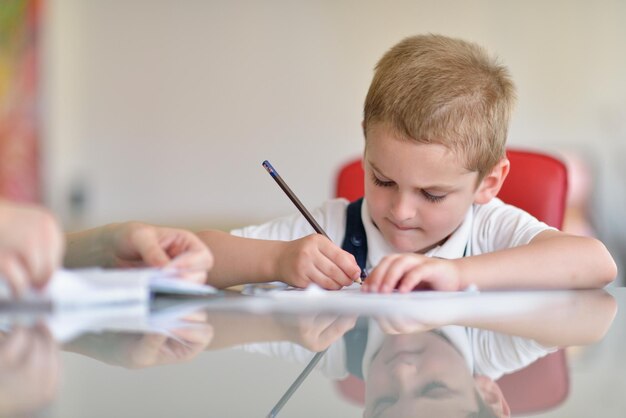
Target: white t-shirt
point(486, 353)
point(486, 228)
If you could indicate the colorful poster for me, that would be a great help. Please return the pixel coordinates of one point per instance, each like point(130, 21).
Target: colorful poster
point(19, 120)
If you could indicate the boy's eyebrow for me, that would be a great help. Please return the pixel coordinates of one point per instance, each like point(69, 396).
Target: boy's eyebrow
point(376, 168)
point(438, 187)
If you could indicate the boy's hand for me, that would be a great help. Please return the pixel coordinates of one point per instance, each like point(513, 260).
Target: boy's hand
point(316, 259)
point(316, 332)
point(406, 272)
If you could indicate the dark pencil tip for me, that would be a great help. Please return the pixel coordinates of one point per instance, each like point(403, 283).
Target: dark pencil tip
point(266, 164)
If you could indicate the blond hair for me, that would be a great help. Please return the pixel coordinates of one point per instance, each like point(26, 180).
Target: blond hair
point(440, 90)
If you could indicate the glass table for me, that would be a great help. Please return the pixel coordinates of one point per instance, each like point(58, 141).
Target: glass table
point(310, 354)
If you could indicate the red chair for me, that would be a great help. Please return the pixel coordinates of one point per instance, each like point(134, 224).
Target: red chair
point(536, 183)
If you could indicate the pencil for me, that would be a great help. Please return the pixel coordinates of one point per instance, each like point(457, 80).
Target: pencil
point(303, 210)
point(296, 384)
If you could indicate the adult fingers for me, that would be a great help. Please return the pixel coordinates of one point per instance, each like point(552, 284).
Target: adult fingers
point(15, 350)
point(196, 262)
point(147, 245)
point(13, 271)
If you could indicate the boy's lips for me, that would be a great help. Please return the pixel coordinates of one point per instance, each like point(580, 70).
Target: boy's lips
point(402, 227)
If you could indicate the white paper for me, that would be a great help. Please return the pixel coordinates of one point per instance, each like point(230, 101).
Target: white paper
point(80, 288)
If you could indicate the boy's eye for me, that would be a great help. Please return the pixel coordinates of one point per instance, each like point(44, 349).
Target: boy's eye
point(433, 198)
point(381, 183)
point(381, 404)
point(435, 390)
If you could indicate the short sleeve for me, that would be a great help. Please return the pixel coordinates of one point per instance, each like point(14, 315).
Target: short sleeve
point(498, 226)
point(496, 354)
point(331, 216)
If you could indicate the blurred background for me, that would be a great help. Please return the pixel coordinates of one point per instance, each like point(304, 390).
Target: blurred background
point(163, 110)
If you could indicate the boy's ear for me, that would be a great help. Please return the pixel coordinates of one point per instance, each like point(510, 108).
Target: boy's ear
point(493, 397)
point(492, 182)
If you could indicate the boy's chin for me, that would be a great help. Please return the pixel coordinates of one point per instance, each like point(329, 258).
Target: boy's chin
point(407, 246)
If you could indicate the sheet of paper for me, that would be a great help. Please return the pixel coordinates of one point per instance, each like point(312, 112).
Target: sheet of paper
point(82, 288)
point(427, 306)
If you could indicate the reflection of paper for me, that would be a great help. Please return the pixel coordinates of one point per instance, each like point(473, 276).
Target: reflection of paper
point(427, 306)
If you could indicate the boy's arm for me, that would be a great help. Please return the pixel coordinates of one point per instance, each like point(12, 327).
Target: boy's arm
point(240, 260)
point(311, 259)
point(583, 319)
point(552, 259)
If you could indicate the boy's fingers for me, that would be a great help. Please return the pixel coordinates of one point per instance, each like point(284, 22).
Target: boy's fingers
point(331, 270)
point(400, 270)
point(322, 280)
point(375, 278)
point(340, 326)
point(344, 262)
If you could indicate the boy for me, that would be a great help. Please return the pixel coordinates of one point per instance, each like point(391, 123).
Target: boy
point(435, 124)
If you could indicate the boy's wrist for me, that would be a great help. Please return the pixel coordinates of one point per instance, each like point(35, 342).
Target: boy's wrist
point(462, 279)
point(270, 265)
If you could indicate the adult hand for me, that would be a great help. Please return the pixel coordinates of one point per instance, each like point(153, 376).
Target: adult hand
point(31, 245)
point(136, 244)
point(135, 350)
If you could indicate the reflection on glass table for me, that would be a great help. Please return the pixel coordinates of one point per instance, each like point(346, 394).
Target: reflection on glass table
point(443, 358)
point(29, 369)
point(398, 366)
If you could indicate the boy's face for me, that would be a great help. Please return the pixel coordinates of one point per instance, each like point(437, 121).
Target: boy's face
point(419, 375)
point(417, 194)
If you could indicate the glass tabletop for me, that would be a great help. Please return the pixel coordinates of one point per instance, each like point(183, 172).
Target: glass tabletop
point(309, 354)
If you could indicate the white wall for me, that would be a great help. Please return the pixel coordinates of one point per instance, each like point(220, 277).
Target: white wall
point(163, 110)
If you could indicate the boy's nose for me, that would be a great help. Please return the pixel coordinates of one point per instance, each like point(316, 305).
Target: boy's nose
point(402, 207)
point(405, 377)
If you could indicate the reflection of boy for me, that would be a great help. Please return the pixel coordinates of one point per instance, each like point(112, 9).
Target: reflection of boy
point(447, 372)
point(443, 373)
point(435, 124)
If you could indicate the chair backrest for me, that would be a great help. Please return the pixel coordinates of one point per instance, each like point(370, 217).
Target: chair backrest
point(536, 183)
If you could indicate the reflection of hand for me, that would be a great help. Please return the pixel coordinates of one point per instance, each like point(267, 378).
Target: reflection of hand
point(31, 245)
point(154, 349)
point(132, 350)
point(316, 259)
point(316, 332)
point(29, 370)
point(396, 324)
point(406, 272)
